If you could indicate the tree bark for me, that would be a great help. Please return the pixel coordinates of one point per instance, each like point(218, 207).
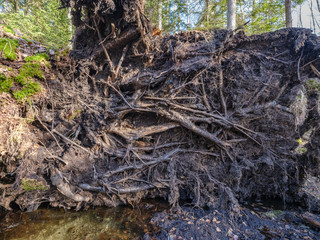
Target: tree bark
point(160, 14)
point(288, 5)
point(318, 5)
point(231, 14)
point(300, 24)
point(207, 12)
point(70, 27)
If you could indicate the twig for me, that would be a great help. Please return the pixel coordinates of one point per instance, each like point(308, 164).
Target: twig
point(117, 91)
point(310, 62)
point(124, 52)
point(298, 68)
point(163, 158)
point(118, 190)
point(47, 129)
point(105, 51)
point(315, 70)
point(70, 141)
point(131, 134)
point(158, 147)
point(205, 99)
point(185, 122)
point(223, 102)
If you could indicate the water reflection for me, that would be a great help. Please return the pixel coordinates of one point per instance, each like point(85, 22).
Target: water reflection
point(93, 224)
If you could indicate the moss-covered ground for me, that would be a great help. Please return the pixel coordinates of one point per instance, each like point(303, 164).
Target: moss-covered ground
point(23, 85)
point(40, 58)
point(8, 48)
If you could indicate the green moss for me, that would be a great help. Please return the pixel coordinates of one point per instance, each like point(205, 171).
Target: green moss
point(26, 39)
point(28, 90)
point(5, 83)
point(301, 150)
point(75, 114)
point(24, 82)
point(274, 214)
point(25, 78)
point(28, 71)
point(64, 52)
point(8, 48)
point(32, 184)
point(8, 29)
point(313, 85)
point(41, 58)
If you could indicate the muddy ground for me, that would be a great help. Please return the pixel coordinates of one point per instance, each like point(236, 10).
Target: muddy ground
point(211, 118)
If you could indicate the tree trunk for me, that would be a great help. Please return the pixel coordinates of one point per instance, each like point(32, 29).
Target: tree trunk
point(288, 5)
point(231, 14)
point(318, 5)
point(312, 17)
point(188, 13)
point(70, 27)
point(300, 17)
point(160, 14)
point(207, 16)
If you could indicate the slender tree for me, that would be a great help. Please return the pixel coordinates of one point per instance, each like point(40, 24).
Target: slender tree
point(160, 5)
point(231, 14)
point(318, 5)
point(288, 6)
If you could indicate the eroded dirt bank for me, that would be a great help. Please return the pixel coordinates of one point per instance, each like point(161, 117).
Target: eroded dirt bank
point(211, 118)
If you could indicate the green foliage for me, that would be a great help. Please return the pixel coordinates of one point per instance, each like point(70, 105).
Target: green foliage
point(264, 15)
point(40, 20)
point(41, 58)
point(8, 48)
point(5, 83)
point(32, 184)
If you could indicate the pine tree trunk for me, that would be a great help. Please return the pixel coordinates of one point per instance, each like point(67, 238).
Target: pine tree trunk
point(312, 17)
point(70, 28)
point(288, 5)
point(207, 12)
point(300, 17)
point(231, 14)
point(318, 5)
point(160, 14)
point(188, 13)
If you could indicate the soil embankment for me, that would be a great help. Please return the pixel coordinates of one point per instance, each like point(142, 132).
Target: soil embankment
point(211, 118)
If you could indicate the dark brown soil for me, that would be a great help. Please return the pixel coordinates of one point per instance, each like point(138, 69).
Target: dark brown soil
point(251, 224)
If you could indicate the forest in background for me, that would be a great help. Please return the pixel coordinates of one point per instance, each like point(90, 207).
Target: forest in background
point(45, 22)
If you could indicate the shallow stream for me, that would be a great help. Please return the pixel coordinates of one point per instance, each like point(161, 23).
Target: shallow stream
point(94, 224)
